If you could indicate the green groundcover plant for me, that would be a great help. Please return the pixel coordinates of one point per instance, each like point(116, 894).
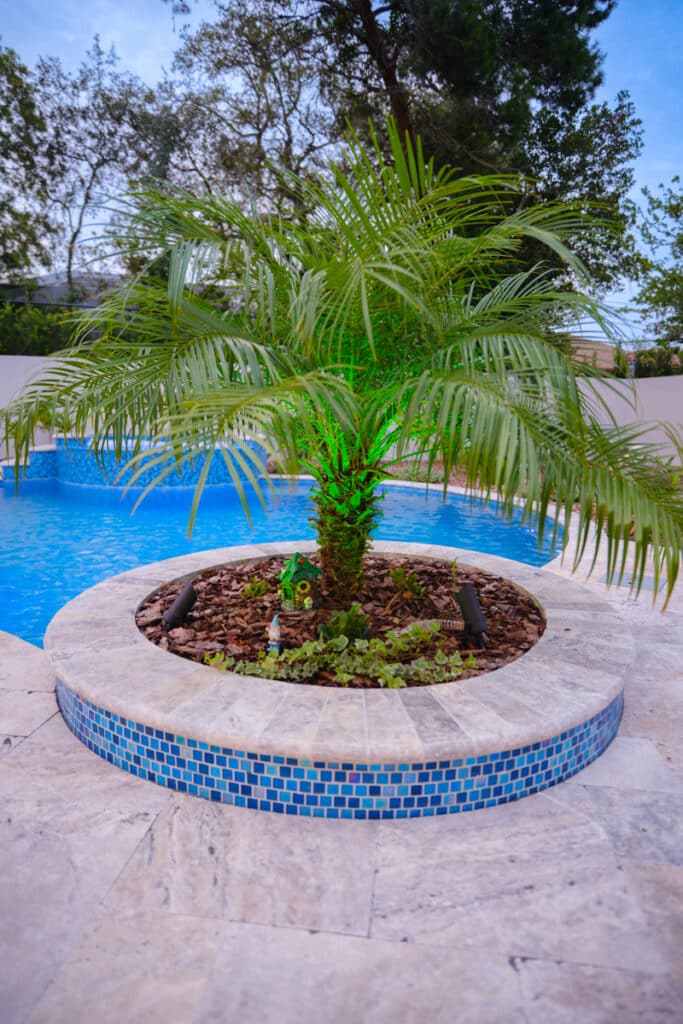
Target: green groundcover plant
point(394, 660)
point(387, 318)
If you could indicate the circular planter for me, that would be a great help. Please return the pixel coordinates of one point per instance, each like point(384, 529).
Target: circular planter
point(332, 752)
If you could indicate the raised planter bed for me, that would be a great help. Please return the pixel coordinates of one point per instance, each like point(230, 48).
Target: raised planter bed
point(327, 751)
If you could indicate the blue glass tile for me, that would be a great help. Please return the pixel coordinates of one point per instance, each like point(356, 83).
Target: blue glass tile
point(415, 789)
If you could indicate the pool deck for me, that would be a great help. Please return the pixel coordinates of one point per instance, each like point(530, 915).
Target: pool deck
point(124, 902)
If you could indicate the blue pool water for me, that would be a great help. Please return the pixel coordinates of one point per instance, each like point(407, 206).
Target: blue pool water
point(58, 539)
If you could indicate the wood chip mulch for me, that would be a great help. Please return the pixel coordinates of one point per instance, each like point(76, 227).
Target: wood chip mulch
point(224, 620)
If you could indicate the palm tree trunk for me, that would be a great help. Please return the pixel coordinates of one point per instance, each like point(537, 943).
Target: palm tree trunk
point(345, 514)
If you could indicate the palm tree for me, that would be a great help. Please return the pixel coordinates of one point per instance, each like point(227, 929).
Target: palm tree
point(389, 316)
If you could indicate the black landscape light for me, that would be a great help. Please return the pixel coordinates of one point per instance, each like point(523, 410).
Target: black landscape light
point(475, 623)
point(185, 600)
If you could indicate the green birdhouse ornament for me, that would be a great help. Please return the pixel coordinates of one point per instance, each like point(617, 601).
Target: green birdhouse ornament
point(298, 584)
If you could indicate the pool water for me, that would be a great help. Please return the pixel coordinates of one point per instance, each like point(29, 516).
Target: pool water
point(59, 539)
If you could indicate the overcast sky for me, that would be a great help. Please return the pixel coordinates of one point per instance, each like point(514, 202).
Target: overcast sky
point(642, 41)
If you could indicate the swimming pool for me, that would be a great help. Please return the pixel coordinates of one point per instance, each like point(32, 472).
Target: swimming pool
point(59, 538)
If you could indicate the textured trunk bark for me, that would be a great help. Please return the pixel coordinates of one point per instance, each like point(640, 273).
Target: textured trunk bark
point(386, 66)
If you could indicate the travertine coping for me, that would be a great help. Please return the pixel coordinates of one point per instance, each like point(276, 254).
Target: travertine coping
point(576, 670)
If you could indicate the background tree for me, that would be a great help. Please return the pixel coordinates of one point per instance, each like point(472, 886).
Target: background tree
point(97, 133)
point(587, 158)
point(468, 74)
point(661, 294)
point(24, 225)
point(657, 361)
point(492, 85)
point(246, 95)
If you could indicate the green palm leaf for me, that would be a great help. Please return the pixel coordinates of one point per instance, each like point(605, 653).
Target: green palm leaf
point(391, 316)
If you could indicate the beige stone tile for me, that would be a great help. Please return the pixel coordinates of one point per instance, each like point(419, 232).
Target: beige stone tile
point(391, 733)
point(653, 708)
point(341, 733)
point(55, 736)
point(483, 724)
point(608, 624)
point(130, 676)
point(23, 666)
point(9, 743)
point(527, 721)
point(631, 763)
point(59, 858)
point(660, 657)
point(233, 714)
point(283, 976)
point(295, 721)
point(659, 889)
point(224, 862)
point(641, 825)
point(22, 713)
point(565, 993)
point(438, 731)
point(53, 768)
point(653, 705)
point(579, 683)
point(542, 885)
point(139, 970)
point(603, 652)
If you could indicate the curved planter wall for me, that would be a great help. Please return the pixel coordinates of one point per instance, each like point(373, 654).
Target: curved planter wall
point(338, 753)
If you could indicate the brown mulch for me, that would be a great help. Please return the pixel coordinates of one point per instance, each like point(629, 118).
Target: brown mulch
point(224, 620)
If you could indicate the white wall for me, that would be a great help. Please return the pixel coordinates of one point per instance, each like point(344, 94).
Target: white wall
point(645, 400)
point(15, 371)
point(656, 398)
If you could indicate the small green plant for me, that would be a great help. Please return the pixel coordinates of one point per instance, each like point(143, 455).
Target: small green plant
point(454, 574)
point(255, 588)
point(220, 661)
point(353, 624)
point(397, 660)
point(406, 582)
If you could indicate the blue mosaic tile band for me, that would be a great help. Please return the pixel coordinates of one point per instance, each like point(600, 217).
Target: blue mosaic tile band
point(76, 464)
point(287, 785)
point(42, 465)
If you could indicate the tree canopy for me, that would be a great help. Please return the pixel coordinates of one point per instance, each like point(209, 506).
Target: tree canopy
point(24, 224)
point(489, 85)
point(661, 294)
point(503, 86)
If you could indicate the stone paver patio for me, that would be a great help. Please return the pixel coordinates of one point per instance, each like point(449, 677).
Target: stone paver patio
point(121, 901)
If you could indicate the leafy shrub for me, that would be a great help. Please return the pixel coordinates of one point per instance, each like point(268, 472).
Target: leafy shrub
point(27, 330)
point(659, 361)
point(255, 588)
point(406, 582)
point(352, 624)
point(622, 367)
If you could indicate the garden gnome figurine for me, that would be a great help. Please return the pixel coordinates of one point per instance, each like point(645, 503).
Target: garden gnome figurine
point(274, 636)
